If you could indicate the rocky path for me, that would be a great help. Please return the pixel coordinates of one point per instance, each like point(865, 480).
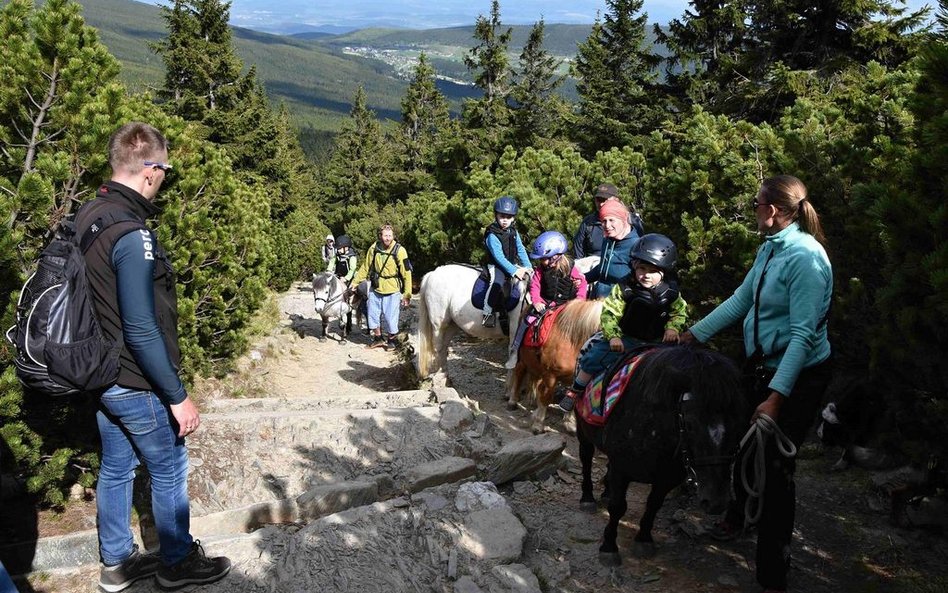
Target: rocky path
point(321, 412)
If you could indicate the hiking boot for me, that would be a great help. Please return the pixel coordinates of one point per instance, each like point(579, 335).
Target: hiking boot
point(135, 567)
point(568, 401)
point(490, 320)
point(194, 569)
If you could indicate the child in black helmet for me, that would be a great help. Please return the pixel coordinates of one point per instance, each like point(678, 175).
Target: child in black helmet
point(645, 307)
point(506, 252)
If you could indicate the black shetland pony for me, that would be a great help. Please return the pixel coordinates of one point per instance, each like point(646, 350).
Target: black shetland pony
point(681, 417)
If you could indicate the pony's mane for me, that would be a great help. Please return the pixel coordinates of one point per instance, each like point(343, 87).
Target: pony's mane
point(712, 377)
point(579, 320)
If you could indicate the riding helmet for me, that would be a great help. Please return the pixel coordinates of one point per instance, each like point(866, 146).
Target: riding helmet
point(656, 249)
point(343, 241)
point(548, 244)
point(505, 205)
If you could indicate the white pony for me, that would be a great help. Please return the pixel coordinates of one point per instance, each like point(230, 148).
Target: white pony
point(331, 302)
point(445, 310)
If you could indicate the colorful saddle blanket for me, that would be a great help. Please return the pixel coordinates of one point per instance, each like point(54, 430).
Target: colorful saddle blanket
point(597, 403)
point(540, 329)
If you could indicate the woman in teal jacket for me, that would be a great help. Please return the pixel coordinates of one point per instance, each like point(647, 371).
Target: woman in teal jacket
point(783, 301)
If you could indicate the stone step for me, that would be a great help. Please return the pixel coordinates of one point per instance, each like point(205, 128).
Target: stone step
point(245, 457)
point(360, 401)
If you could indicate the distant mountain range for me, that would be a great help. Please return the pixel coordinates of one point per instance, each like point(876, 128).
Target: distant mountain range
point(317, 74)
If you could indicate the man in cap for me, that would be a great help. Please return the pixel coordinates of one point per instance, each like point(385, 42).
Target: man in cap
point(588, 238)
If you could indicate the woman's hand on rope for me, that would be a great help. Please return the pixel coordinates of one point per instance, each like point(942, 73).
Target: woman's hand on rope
point(770, 407)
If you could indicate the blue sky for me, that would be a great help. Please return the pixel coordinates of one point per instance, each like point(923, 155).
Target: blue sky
point(264, 14)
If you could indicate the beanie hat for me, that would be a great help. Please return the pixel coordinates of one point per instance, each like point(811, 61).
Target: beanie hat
point(614, 208)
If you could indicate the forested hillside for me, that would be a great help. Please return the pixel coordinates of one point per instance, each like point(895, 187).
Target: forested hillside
point(850, 97)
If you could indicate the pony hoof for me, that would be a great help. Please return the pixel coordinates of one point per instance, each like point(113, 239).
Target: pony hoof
point(611, 559)
point(643, 549)
point(588, 507)
point(512, 406)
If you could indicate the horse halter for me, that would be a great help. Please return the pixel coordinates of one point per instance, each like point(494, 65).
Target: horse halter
point(687, 459)
point(333, 300)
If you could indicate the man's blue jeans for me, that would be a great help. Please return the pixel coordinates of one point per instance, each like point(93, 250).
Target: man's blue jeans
point(387, 305)
point(136, 426)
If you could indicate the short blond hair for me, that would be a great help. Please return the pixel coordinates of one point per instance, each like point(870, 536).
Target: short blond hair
point(133, 144)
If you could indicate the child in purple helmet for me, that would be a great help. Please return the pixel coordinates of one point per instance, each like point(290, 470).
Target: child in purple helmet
point(507, 255)
point(555, 281)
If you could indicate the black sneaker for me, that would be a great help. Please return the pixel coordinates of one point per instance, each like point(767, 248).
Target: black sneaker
point(195, 569)
point(567, 402)
point(135, 567)
point(391, 343)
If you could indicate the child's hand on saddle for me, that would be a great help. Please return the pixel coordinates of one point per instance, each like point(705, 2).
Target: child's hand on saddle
point(616, 345)
point(671, 335)
point(539, 307)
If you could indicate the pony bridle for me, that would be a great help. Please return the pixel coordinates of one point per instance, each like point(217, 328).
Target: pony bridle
point(331, 301)
point(687, 459)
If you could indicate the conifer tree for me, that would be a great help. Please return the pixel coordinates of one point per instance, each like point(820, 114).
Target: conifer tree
point(58, 105)
point(424, 114)
point(202, 69)
point(489, 116)
point(360, 161)
point(788, 42)
point(616, 72)
point(538, 110)
point(704, 44)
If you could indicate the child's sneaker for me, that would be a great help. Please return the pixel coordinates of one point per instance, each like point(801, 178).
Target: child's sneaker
point(568, 401)
point(135, 567)
point(194, 569)
point(490, 320)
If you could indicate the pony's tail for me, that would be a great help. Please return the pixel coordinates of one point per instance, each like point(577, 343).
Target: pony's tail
point(425, 338)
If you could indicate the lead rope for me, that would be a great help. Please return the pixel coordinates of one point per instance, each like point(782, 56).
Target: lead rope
point(762, 427)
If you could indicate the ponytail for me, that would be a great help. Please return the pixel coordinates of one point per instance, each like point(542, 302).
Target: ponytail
point(809, 222)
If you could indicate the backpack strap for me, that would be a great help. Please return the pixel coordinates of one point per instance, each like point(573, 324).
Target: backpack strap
point(103, 222)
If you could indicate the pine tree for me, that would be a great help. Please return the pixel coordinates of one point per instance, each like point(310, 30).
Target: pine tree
point(202, 69)
point(616, 71)
point(424, 115)
point(790, 44)
point(58, 104)
point(361, 160)
point(489, 116)
point(704, 45)
point(538, 112)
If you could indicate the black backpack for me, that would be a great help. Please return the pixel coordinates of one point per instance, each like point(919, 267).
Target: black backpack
point(60, 347)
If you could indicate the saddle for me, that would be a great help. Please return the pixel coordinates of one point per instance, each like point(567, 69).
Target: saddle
point(603, 393)
point(539, 330)
point(482, 287)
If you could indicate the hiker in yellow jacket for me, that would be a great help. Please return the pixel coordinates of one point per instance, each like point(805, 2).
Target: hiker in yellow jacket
point(388, 269)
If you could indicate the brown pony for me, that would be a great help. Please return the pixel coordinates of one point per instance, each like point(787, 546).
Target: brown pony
point(542, 367)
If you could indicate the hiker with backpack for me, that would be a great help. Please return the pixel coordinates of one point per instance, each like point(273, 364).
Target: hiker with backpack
point(388, 270)
point(146, 415)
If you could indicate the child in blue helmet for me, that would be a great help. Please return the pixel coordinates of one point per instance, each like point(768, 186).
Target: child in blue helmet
point(555, 281)
point(505, 251)
point(644, 308)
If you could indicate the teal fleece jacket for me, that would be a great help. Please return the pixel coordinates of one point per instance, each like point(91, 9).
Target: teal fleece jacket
point(794, 300)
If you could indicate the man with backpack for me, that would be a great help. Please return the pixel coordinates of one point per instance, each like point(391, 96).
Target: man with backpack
point(146, 415)
point(387, 267)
